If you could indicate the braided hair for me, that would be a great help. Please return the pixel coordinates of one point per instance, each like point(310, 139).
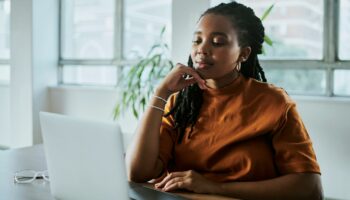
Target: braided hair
point(250, 32)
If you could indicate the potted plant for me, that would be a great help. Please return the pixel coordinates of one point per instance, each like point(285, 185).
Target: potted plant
point(138, 82)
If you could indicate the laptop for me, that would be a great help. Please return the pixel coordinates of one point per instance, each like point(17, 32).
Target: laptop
point(84, 158)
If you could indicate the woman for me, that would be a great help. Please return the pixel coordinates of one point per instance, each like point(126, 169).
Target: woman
point(217, 127)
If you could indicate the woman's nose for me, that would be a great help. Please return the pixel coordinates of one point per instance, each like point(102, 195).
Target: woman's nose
point(203, 48)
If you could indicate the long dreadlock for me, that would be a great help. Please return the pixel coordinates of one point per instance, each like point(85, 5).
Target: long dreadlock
point(250, 33)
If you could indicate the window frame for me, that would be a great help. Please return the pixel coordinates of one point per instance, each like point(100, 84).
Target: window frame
point(329, 63)
point(117, 60)
point(5, 63)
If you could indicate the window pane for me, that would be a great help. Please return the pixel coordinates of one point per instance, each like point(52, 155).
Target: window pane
point(344, 26)
point(90, 75)
point(341, 82)
point(4, 74)
point(5, 29)
point(298, 81)
point(87, 29)
point(143, 23)
point(295, 27)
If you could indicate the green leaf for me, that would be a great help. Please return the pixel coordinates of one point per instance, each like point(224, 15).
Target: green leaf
point(151, 73)
point(162, 31)
point(171, 64)
point(268, 40)
point(116, 111)
point(267, 12)
point(125, 94)
point(157, 59)
point(134, 68)
point(134, 110)
point(133, 71)
point(130, 99)
point(139, 74)
point(143, 103)
point(166, 46)
point(152, 49)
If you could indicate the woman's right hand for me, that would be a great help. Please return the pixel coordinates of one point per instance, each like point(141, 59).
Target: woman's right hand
point(175, 80)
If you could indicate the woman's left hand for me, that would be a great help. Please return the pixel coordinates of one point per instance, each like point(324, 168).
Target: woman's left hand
point(189, 180)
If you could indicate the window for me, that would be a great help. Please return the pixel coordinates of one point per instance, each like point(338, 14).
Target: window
point(98, 38)
point(87, 31)
point(341, 82)
point(5, 29)
point(344, 29)
point(296, 28)
point(143, 23)
point(304, 56)
point(311, 81)
point(4, 41)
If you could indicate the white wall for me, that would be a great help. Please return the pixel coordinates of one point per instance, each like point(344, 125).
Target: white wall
point(34, 58)
point(92, 103)
point(21, 73)
point(327, 120)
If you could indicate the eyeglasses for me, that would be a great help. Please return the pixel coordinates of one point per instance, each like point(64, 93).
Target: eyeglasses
point(28, 176)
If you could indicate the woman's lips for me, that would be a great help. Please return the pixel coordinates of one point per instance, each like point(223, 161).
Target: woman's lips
point(202, 65)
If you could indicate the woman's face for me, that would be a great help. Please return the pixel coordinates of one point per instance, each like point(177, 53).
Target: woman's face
point(215, 49)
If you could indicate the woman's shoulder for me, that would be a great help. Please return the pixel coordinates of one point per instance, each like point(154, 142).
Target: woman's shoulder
point(171, 101)
point(268, 92)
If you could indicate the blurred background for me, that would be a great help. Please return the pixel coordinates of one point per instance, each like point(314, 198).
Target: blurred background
point(67, 56)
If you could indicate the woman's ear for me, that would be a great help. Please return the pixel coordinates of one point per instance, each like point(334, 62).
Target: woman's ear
point(245, 52)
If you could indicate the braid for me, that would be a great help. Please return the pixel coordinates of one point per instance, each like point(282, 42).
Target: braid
point(250, 33)
point(256, 71)
point(186, 109)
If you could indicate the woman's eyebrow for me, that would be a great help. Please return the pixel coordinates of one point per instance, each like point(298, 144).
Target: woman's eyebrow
point(213, 33)
point(219, 33)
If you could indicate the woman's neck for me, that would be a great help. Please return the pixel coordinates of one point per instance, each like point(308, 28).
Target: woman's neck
point(222, 81)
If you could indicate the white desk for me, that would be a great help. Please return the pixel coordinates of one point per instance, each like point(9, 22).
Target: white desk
point(34, 158)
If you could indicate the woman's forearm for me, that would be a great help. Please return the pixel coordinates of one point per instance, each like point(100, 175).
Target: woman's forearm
point(292, 186)
point(142, 155)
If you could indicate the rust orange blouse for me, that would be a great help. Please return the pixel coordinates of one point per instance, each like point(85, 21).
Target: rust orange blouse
point(246, 131)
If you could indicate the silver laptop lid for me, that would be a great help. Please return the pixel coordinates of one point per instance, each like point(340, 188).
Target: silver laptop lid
point(84, 158)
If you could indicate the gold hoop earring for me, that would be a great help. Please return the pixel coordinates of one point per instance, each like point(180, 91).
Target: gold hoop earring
point(238, 66)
